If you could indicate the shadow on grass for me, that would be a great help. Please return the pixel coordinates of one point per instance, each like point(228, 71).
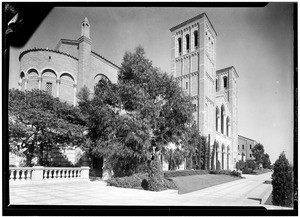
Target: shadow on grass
point(187, 184)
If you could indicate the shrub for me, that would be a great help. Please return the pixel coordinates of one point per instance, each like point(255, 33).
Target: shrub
point(282, 182)
point(156, 176)
point(134, 181)
point(169, 174)
point(250, 164)
point(240, 165)
point(225, 172)
point(247, 171)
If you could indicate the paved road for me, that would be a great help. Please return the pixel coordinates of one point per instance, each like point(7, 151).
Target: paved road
point(96, 193)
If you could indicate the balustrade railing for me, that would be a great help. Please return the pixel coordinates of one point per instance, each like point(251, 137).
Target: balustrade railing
point(39, 173)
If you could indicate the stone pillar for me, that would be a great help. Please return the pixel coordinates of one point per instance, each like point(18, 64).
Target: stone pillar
point(75, 92)
point(57, 87)
point(20, 85)
point(40, 82)
point(37, 173)
point(85, 172)
point(25, 83)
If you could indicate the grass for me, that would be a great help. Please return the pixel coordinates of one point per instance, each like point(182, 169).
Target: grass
point(258, 172)
point(269, 200)
point(186, 184)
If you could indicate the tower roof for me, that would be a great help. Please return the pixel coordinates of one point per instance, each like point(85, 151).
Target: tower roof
point(228, 68)
point(85, 20)
point(191, 20)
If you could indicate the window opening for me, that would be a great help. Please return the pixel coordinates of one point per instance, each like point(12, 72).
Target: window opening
point(196, 38)
point(187, 37)
point(49, 88)
point(179, 46)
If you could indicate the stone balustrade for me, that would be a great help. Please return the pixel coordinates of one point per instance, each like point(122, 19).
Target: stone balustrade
point(40, 174)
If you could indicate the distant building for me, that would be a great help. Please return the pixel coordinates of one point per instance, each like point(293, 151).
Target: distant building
point(244, 146)
point(214, 92)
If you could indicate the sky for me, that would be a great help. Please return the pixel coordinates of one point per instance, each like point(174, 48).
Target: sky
point(258, 42)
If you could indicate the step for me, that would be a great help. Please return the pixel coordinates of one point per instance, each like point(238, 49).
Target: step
point(261, 193)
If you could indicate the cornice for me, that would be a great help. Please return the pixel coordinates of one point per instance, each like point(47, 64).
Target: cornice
point(44, 49)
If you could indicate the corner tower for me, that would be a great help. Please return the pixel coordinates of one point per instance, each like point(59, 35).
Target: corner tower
point(193, 64)
point(84, 47)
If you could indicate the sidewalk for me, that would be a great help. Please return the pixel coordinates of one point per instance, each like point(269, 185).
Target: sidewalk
point(97, 193)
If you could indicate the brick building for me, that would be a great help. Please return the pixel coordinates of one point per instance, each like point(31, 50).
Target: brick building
point(214, 92)
point(64, 70)
point(244, 147)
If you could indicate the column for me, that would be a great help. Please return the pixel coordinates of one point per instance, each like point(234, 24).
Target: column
point(228, 157)
point(75, 91)
point(40, 82)
point(25, 83)
point(20, 85)
point(57, 87)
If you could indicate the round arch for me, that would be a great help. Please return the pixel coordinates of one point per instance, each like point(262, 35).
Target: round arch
point(68, 75)
point(48, 71)
point(32, 79)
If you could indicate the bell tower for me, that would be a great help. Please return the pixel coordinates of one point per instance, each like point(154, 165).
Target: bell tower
point(84, 56)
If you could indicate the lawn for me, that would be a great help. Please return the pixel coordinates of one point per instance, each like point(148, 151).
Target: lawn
point(188, 184)
point(258, 172)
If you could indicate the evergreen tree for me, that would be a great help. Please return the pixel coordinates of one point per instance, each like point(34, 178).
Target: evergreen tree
point(282, 181)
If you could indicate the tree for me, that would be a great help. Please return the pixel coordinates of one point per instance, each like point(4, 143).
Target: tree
point(258, 153)
point(260, 156)
point(266, 161)
point(282, 181)
point(142, 113)
point(39, 123)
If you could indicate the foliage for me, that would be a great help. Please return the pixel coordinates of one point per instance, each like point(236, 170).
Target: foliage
point(282, 181)
point(250, 164)
point(258, 153)
point(156, 176)
point(134, 181)
point(240, 165)
point(266, 161)
point(225, 172)
point(247, 170)
point(174, 157)
point(39, 123)
point(169, 174)
point(144, 111)
point(213, 154)
point(260, 156)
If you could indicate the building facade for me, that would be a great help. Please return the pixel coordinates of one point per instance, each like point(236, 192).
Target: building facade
point(214, 92)
point(64, 70)
point(244, 147)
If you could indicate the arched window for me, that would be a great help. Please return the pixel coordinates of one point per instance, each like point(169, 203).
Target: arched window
point(222, 118)
point(227, 126)
point(196, 38)
point(217, 85)
point(179, 46)
point(217, 117)
point(225, 82)
point(187, 38)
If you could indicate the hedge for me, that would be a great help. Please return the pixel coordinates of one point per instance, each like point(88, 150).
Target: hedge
point(139, 181)
point(134, 181)
point(225, 172)
point(170, 174)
